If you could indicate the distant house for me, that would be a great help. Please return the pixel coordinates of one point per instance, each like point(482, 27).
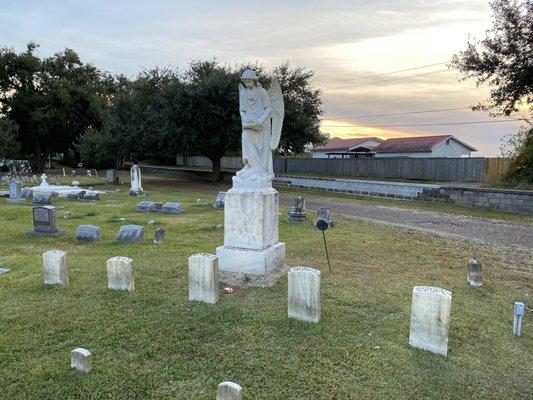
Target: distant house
point(424, 147)
point(341, 148)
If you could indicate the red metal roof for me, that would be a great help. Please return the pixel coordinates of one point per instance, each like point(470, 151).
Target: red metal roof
point(343, 144)
point(414, 144)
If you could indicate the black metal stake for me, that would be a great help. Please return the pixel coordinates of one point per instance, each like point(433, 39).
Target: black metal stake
point(326, 247)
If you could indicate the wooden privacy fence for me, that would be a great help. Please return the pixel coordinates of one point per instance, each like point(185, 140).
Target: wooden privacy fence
point(474, 169)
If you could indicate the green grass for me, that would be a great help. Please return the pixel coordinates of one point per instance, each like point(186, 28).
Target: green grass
point(155, 344)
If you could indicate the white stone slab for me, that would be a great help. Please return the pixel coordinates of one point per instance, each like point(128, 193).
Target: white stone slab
point(229, 391)
point(81, 360)
point(430, 319)
point(474, 273)
point(304, 294)
point(250, 261)
point(55, 267)
point(251, 218)
point(120, 273)
point(203, 278)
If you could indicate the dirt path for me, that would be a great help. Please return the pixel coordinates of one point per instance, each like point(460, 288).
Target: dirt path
point(478, 229)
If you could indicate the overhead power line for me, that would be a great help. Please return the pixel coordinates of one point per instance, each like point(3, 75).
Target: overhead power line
point(400, 113)
point(430, 124)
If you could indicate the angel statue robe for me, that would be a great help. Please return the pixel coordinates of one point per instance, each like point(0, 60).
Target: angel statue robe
point(255, 109)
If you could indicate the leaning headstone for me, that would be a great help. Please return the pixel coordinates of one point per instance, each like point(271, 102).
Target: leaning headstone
point(111, 176)
point(91, 195)
point(81, 360)
point(120, 273)
point(45, 222)
point(172, 208)
point(304, 294)
point(203, 278)
point(297, 213)
point(130, 234)
point(219, 202)
point(55, 267)
point(87, 233)
point(146, 206)
point(159, 236)
point(229, 391)
point(430, 319)
point(15, 196)
point(42, 198)
point(518, 315)
point(475, 273)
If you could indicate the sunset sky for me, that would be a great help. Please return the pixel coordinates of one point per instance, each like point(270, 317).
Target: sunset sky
point(347, 43)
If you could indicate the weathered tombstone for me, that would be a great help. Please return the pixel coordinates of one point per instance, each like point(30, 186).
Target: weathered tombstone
point(111, 176)
point(159, 236)
point(430, 319)
point(136, 182)
point(229, 391)
point(91, 195)
point(45, 222)
point(304, 294)
point(76, 195)
point(15, 196)
point(219, 201)
point(42, 198)
point(120, 273)
point(203, 278)
point(475, 273)
point(297, 213)
point(87, 233)
point(27, 192)
point(81, 360)
point(130, 234)
point(518, 315)
point(172, 208)
point(55, 267)
point(146, 206)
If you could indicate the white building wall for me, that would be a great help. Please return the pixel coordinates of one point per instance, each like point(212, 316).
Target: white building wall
point(452, 150)
point(322, 154)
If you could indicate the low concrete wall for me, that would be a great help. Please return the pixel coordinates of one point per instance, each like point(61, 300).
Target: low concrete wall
point(517, 201)
point(397, 190)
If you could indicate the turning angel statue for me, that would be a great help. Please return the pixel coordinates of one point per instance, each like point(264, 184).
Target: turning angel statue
point(262, 118)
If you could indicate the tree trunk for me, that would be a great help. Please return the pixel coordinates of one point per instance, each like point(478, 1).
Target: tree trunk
point(217, 169)
point(38, 161)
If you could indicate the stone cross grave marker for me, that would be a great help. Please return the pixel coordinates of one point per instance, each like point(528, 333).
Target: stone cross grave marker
point(304, 294)
point(203, 278)
point(430, 319)
point(120, 274)
point(55, 267)
point(475, 273)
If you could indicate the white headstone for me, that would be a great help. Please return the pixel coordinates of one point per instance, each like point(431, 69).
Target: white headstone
point(55, 267)
point(136, 185)
point(120, 273)
point(81, 360)
point(203, 278)
point(430, 319)
point(304, 294)
point(229, 391)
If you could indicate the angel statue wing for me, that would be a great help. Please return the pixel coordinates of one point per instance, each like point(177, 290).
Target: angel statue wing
point(241, 88)
point(278, 111)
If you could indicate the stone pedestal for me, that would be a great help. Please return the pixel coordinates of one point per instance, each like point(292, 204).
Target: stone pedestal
point(251, 245)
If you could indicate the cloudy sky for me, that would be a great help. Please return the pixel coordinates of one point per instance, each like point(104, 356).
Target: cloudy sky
point(355, 48)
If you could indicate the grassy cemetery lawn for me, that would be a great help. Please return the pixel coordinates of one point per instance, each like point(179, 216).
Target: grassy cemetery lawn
point(154, 343)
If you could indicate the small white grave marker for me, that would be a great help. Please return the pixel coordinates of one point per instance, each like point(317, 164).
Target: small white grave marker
point(55, 267)
point(430, 319)
point(81, 360)
point(229, 391)
point(474, 273)
point(518, 315)
point(203, 278)
point(120, 273)
point(304, 294)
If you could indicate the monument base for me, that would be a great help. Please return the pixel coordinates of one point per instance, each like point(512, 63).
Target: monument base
point(251, 280)
point(250, 261)
point(47, 234)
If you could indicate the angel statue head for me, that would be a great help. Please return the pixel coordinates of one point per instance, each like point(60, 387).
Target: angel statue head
point(249, 78)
